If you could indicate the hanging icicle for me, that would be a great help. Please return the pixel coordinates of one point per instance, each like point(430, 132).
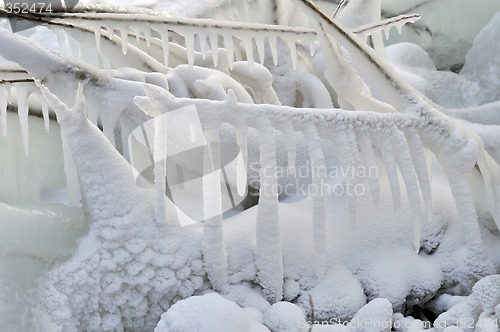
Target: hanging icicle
point(404, 161)
point(165, 45)
point(72, 185)
point(124, 37)
point(391, 170)
point(419, 159)
point(214, 252)
point(202, 38)
point(273, 45)
point(214, 47)
point(268, 243)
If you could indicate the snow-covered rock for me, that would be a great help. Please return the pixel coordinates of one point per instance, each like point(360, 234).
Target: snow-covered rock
point(338, 295)
point(477, 312)
point(208, 313)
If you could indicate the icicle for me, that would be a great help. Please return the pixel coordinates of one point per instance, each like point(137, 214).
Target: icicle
point(466, 209)
point(261, 49)
point(248, 44)
point(273, 45)
point(61, 38)
point(291, 146)
point(214, 251)
point(407, 170)
point(318, 170)
point(203, 44)
point(4, 95)
point(214, 46)
point(419, 159)
point(229, 45)
point(312, 48)
point(293, 52)
point(160, 171)
point(342, 146)
point(147, 36)
point(165, 44)
point(238, 55)
point(97, 35)
point(124, 38)
point(108, 129)
point(189, 44)
point(490, 172)
point(45, 114)
point(368, 157)
point(137, 34)
point(387, 154)
point(387, 31)
point(22, 111)
point(74, 46)
point(269, 259)
point(110, 30)
point(72, 185)
point(241, 166)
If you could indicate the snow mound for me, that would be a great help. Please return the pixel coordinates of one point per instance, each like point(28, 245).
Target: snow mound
point(337, 296)
point(285, 317)
point(477, 311)
point(409, 55)
point(207, 313)
point(447, 89)
point(376, 316)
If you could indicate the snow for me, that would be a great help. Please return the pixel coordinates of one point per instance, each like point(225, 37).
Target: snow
point(481, 66)
point(268, 242)
point(210, 313)
point(284, 317)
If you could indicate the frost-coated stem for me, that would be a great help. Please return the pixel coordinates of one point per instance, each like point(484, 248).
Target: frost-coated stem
point(4, 95)
point(466, 209)
point(268, 243)
point(23, 93)
point(387, 154)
